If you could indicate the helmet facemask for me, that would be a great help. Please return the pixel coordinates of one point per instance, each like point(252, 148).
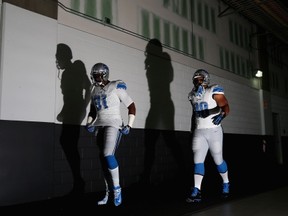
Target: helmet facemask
point(201, 77)
point(99, 74)
point(198, 80)
point(201, 80)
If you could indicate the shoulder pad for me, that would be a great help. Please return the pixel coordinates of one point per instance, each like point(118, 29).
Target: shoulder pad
point(217, 88)
point(121, 85)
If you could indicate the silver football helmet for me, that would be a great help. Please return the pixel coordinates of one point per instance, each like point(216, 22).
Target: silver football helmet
point(99, 73)
point(201, 73)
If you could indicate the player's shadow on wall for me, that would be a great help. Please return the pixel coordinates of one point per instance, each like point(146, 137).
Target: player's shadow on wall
point(160, 120)
point(75, 87)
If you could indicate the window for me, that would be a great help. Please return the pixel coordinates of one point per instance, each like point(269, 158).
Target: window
point(241, 36)
point(106, 9)
point(90, 8)
point(184, 9)
point(201, 48)
point(145, 24)
point(193, 42)
point(233, 67)
point(75, 5)
point(213, 21)
point(156, 27)
point(167, 39)
point(166, 3)
point(199, 10)
point(221, 54)
point(227, 60)
point(236, 33)
point(238, 69)
point(206, 12)
point(231, 31)
point(176, 37)
point(192, 10)
point(185, 41)
point(176, 6)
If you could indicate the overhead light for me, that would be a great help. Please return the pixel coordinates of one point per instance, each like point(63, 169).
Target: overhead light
point(259, 73)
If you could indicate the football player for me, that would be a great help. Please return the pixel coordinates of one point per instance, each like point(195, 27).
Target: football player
point(105, 120)
point(210, 107)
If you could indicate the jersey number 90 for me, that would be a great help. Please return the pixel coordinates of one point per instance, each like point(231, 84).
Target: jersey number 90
point(201, 106)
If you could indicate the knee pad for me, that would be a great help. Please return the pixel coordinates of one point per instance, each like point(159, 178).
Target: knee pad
point(199, 169)
point(222, 168)
point(111, 161)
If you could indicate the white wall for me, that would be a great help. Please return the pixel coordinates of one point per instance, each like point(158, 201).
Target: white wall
point(30, 88)
point(27, 66)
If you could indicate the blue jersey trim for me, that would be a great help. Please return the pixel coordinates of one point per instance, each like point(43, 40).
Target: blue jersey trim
point(218, 89)
point(121, 85)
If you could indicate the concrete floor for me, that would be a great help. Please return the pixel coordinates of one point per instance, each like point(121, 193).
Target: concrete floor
point(271, 203)
point(161, 200)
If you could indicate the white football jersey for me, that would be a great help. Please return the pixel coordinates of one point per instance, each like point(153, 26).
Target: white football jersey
point(107, 101)
point(205, 101)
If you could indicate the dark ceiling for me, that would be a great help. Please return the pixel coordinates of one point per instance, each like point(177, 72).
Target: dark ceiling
point(271, 15)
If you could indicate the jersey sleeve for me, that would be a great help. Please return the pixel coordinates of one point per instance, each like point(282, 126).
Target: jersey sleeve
point(217, 89)
point(121, 89)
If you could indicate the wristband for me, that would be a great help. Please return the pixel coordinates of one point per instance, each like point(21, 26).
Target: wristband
point(89, 120)
point(131, 118)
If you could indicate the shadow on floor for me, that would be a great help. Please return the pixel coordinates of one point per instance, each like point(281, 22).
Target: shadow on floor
point(166, 199)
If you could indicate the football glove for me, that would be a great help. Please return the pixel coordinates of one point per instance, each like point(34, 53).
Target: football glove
point(125, 130)
point(218, 118)
point(90, 128)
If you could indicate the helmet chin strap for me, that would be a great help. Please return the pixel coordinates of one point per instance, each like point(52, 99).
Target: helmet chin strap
point(99, 83)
